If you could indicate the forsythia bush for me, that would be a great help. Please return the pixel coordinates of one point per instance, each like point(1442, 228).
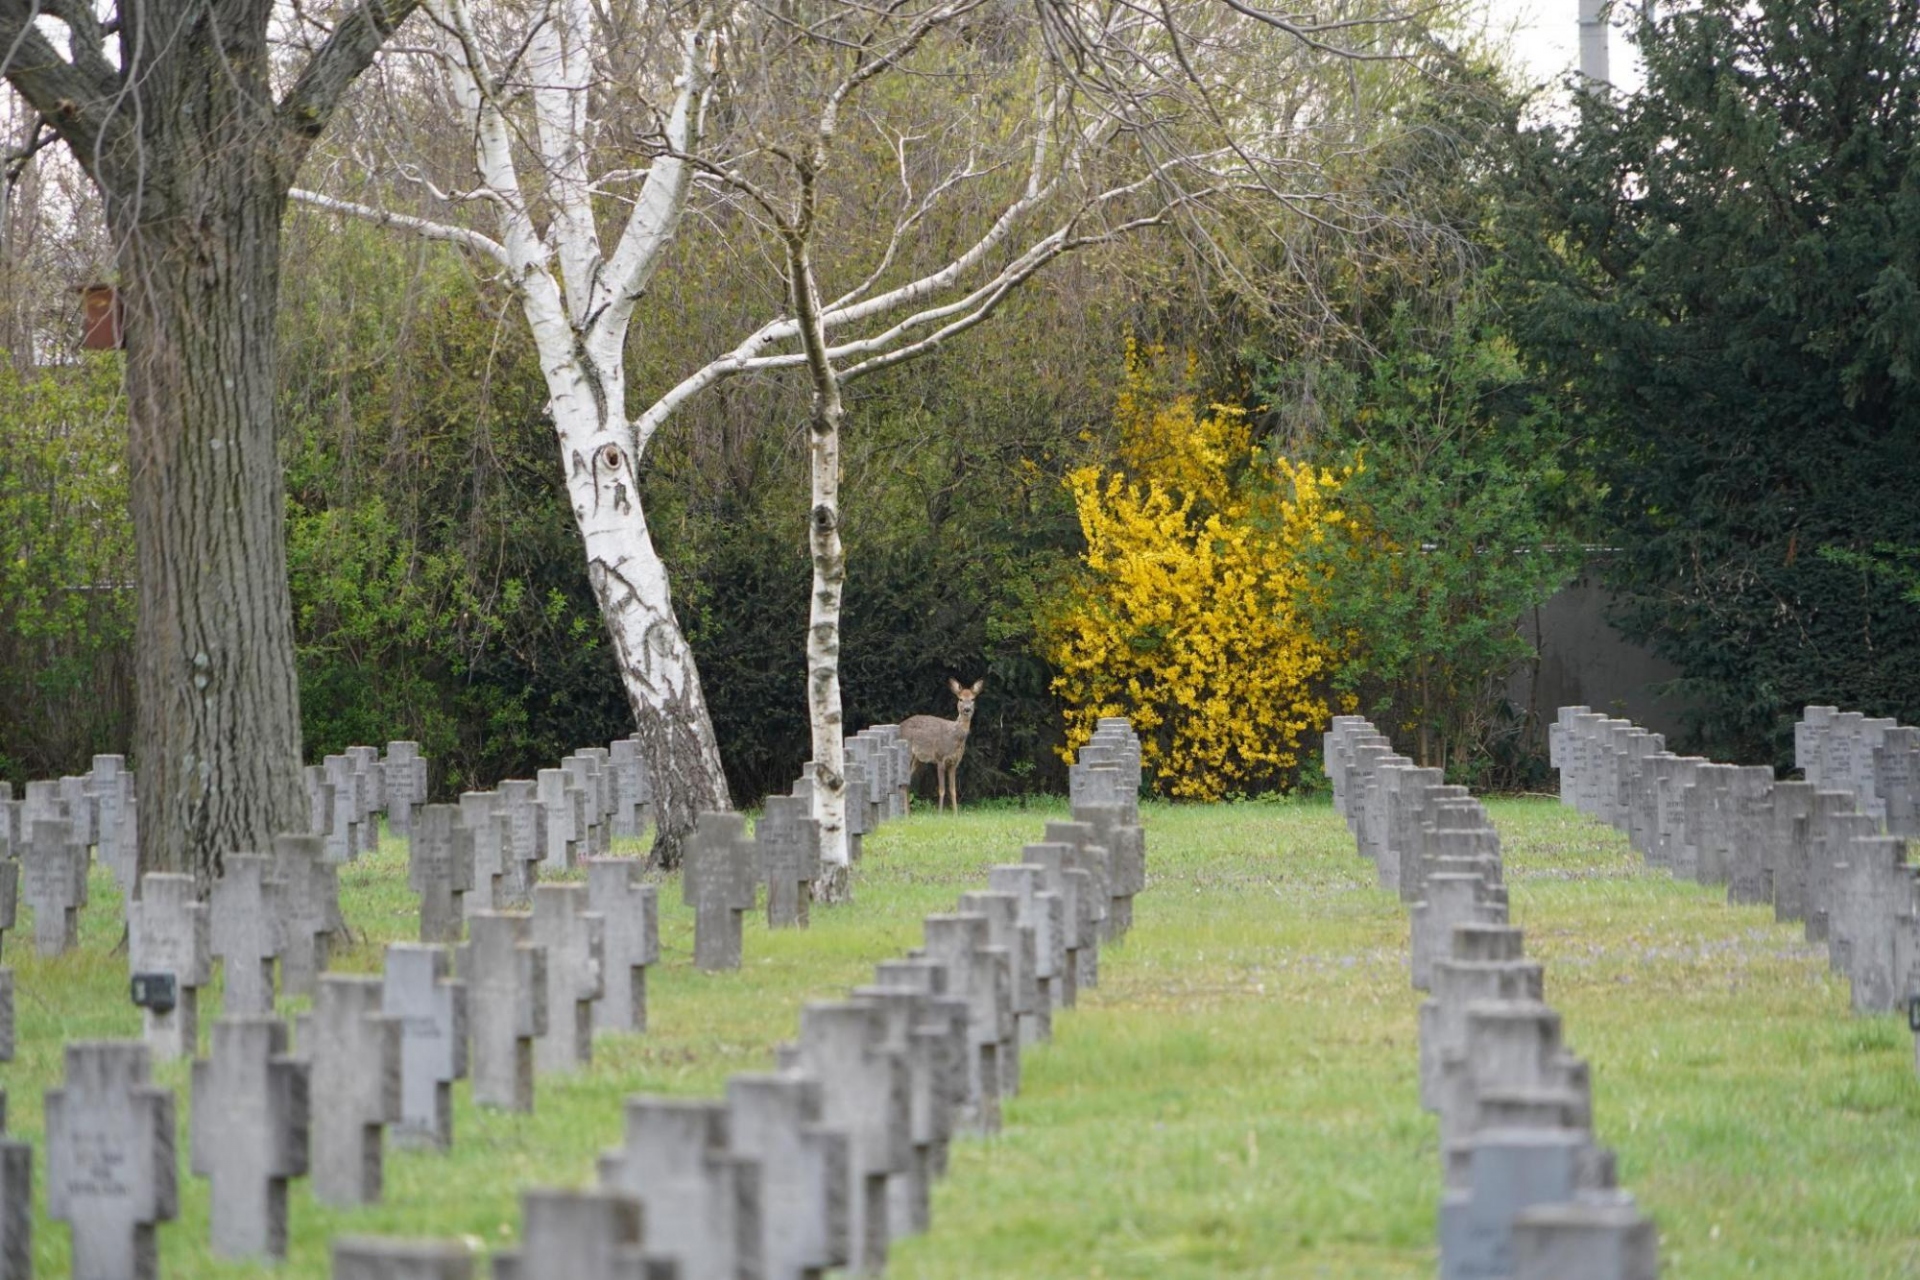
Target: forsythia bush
point(1182, 615)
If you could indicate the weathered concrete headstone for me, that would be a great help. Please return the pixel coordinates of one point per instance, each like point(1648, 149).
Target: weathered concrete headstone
point(405, 772)
point(250, 1120)
point(717, 881)
point(585, 775)
point(1075, 890)
point(924, 1047)
point(1041, 911)
point(168, 934)
point(865, 1093)
point(342, 829)
point(575, 940)
point(561, 843)
point(1511, 1170)
point(111, 786)
point(371, 776)
point(632, 788)
point(245, 931)
point(354, 1050)
point(979, 974)
point(526, 841)
point(381, 1258)
point(432, 1010)
point(701, 1200)
point(16, 1205)
point(1017, 940)
point(580, 1235)
point(787, 844)
point(309, 898)
point(440, 870)
point(630, 912)
point(1589, 1238)
point(54, 868)
point(943, 1021)
point(506, 977)
point(489, 836)
point(9, 897)
point(111, 1165)
point(776, 1120)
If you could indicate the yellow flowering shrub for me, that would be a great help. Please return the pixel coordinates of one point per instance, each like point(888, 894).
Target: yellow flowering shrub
point(1181, 615)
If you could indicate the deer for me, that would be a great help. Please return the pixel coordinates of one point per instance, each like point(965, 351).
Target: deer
point(942, 743)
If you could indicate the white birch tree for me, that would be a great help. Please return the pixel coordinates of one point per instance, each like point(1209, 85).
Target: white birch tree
point(1010, 139)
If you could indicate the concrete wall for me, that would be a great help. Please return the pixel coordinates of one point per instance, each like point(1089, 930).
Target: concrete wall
point(1584, 661)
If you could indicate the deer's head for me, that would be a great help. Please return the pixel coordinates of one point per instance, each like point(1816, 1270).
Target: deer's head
point(966, 694)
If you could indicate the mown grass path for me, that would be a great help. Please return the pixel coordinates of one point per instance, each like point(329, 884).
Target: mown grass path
point(1237, 1098)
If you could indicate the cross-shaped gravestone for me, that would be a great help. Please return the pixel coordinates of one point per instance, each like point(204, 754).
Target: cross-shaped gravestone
point(1075, 887)
point(9, 896)
point(632, 791)
point(717, 881)
point(308, 898)
point(250, 1117)
point(372, 778)
point(112, 789)
point(787, 842)
point(506, 977)
point(1040, 910)
point(110, 1160)
point(526, 840)
point(354, 1050)
point(16, 1189)
point(1126, 848)
point(630, 911)
point(978, 973)
point(947, 1018)
point(580, 1235)
point(342, 828)
point(486, 828)
point(432, 1009)
point(556, 798)
point(167, 934)
point(775, 1119)
point(584, 775)
point(699, 1197)
point(575, 940)
point(245, 914)
point(923, 1048)
point(440, 870)
point(1005, 931)
point(406, 778)
point(866, 1094)
point(383, 1258)
point(77, 802)
point(1092, 858)
point(54, 869)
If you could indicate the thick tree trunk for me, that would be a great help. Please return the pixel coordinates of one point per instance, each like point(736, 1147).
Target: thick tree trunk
point(195, 210)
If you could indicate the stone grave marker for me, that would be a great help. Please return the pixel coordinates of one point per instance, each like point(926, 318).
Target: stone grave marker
point(320, 800)
point(487, 831)
point(343, 814)
point(717, 881)
point(440, 870)
point(506, 977)
point(405, 771)
point(947, 1018)
point(526, 841)
point(372, 786)
point(1510, 1170)
point(381, 1258)
point(923, 1046)
point(787, 845)
point(562, 838)
point(865, 1094)
point(1750, 797)
point(111, 786)
point(1075, 888)
point(978, 973)
point(245, 931)
point(1589, 1238)
point(167, 933)
point(432, 1010)
point(632, 788)
point(583, 770)
point(354, 1050)
point(775, 1119)
point(111, 1166)
point(1005, 932)
point(581, 1235)
point(249, 1122)
point(700, 1199)
point(53, 868)
point(630, 912)
point(9, 897)
point(16, 1194)
point(1126, 848)
point(575, 940)
point(6, 1034)
point(309, 898)
point(1040, 910)
point(76, 802)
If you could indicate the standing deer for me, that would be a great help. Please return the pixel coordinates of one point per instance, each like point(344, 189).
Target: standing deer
point(942, 742)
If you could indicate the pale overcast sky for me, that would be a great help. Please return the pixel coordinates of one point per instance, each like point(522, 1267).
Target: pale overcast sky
point(1545, 38)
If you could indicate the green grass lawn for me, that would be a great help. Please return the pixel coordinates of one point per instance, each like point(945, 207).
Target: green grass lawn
point(1238, 1096)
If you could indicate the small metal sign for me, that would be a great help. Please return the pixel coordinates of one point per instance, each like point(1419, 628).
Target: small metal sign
point(156, 991)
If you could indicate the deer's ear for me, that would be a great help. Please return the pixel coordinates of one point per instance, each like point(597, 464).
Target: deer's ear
point(978, 685)
point(953, 685)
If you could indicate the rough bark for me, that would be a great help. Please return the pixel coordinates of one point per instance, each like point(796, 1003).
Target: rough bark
point(193, 158)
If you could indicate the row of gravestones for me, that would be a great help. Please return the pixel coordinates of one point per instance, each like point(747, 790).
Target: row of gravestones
point(820, 1164)
point(1813, 849)
point(1528, 1192)
point(47, 837)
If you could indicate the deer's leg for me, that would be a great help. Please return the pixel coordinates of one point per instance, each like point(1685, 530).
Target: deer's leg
point(955, 786)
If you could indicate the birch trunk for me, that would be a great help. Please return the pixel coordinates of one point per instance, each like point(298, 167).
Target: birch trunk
point(824, 716)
